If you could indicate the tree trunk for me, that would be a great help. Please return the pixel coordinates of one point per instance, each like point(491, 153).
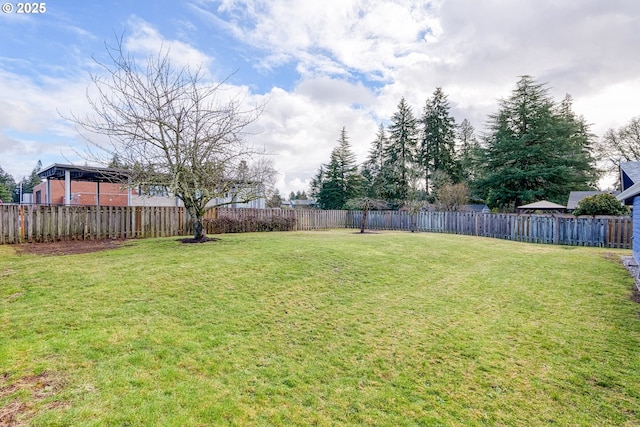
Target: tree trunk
point(196, 219)
point(365, 210)
point(198, 229)
point(363, 223)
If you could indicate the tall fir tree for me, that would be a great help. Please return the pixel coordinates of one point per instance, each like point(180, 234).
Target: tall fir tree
point(582, 173)
point(342, 180)
point(469, 156)
point(466, 145)
point(437, 144)
point(373, 167)
point(400, 154)
point(315, 186)
point(534, 150)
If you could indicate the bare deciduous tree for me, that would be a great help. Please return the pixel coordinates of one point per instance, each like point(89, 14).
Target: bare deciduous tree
point(365, 205)
point(169, 127)
point(621, 145)
point(452, 196)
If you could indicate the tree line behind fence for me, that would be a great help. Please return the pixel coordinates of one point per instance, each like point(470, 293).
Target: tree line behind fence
point(56, 223)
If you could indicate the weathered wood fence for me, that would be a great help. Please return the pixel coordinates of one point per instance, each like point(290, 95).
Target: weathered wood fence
point(54, 223)
point(610, 232)
point(319, 220)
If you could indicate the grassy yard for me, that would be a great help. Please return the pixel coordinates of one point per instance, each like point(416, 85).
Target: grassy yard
point(320, 328)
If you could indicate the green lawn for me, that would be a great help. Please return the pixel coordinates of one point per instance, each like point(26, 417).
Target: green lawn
point(320, 328)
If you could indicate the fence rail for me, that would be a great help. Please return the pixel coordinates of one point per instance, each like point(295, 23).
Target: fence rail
point(53, 223)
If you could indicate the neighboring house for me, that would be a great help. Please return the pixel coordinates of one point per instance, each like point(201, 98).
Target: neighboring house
point(475, 208)
point(630, 195)
point(629, 174)
point(576, 196)
point(92, 186)
point(83, 193)
point(299, 204)
point(80, 186)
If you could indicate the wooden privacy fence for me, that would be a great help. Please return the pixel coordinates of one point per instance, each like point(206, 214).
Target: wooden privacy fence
point(24, 223)
point(54, 223)
point(319, 220)
point(610, 232)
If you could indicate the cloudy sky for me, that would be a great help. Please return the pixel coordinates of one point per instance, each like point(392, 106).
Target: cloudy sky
point(320, 65)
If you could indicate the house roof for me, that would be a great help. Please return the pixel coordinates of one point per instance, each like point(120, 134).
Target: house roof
point(632, 170)
point(306, 202)
point(630, 181)
point(543, 205)
point(82, 173)
point(576, 196)
point(474, 208)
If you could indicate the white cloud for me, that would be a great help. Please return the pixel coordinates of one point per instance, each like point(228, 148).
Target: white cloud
point(363, 35)
point(622, 103)
point(31, 127)
point(478, 49)
point(301, 131)
point(146, 40)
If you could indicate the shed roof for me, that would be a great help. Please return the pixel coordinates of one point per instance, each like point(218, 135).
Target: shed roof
point(543, 205)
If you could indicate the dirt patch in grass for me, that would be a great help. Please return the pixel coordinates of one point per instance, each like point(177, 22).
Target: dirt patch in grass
point(39, 387)
point(205, 239)
point(635, 295)
point(69, 247)
point(614, 257)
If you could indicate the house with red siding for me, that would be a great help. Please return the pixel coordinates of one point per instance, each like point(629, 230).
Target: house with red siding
point(71, 185)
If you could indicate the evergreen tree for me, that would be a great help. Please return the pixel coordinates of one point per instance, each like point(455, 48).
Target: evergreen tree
point(315, 186)
point(400, 154)
point(581, 172)
point(468, 151)
point(342, 181)
point(437, 145)
point(470, 157)
point(274, 200)
point(373, 167)
point(5, 193)
point(535, 150)
point(7, 186)
point(29, 183)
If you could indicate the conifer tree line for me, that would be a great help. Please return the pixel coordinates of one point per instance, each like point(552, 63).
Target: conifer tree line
point(10, 189)
point(534, 149)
